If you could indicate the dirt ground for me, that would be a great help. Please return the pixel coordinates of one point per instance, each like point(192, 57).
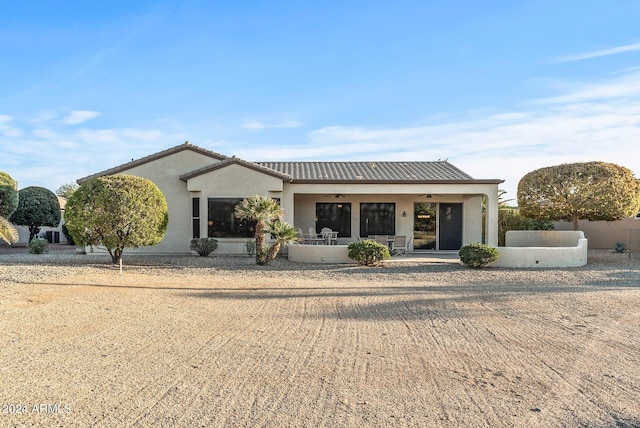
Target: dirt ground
point(422, 346)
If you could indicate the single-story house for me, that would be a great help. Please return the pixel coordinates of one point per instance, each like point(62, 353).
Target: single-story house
point(436, 205)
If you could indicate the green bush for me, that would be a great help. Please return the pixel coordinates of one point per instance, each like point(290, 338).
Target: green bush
point(510, 219)
point(478, 256)
point(204, 246)
point(540, 225)
point(38, 246)
point(368, 253)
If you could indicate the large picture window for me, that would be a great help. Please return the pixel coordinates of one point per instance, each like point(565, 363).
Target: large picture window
point(377, 218)
point(335, 216)
point(223, 223)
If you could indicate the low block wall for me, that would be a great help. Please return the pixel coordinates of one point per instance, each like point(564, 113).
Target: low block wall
point(319, 253)
point(537, 248)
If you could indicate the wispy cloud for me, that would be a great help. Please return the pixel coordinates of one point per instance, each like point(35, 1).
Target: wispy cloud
point(58, 154)
point(623, 86)
point(578, 126)
point(258, 125)
point(634, 47)
point(77, 117)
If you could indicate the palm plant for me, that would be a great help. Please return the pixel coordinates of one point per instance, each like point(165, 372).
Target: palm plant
point(283, 233)
point(8, 233)
point(263, 210)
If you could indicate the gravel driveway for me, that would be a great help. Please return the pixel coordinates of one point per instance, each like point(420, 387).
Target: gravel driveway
point(188, 341)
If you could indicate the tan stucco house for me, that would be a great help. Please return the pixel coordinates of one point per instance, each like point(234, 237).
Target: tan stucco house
point(436, 205)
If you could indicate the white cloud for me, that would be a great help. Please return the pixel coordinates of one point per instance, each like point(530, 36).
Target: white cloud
point(6, 129)
point(257, 125)
point(627, 85)
point(633, 47)
point(77, 117)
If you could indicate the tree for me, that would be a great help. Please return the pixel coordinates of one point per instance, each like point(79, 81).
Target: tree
point(8, 195)
point(587, 190)
point(37, 207)
point(263, 210)
point(8, 205)
point(118, 212)
point(283, 233)
point(66, 190)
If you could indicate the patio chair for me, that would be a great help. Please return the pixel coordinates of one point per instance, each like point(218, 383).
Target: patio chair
point(399, 246)
point(329, 235)
point(314, 238)
point(303, 237)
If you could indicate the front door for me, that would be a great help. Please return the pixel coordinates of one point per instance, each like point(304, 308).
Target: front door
point(450, 226)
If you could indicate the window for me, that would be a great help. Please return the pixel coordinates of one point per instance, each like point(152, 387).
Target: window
point(223, 223)
point(377, 218)
point(195, 213)
point(335, 216)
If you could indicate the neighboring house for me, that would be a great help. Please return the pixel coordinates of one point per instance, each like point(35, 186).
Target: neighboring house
point(435, 203)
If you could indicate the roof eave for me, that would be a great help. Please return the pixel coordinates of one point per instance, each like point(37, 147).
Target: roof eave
point(137, 162)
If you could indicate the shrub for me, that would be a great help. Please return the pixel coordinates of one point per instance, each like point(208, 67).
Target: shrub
point(368, 253)
point(478, 256)
point(38, 246)
point(540, 225)
point(204, 246)
point(620, 247)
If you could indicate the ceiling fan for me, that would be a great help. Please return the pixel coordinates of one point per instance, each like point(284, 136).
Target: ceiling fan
point(335, 195)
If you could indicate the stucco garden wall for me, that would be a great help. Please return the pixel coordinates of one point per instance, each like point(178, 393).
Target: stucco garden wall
point(319, 253)
point(538, 248)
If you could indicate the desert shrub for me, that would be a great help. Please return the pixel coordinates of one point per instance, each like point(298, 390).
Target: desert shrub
point(509, 218)
point(204, 246)
point(368, 253)
point(540, 225)
point(478, 256)
point(620, 247)
point(38, 246)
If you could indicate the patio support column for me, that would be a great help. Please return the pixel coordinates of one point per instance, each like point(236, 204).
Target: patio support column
point(286, 202)
point(491, 218)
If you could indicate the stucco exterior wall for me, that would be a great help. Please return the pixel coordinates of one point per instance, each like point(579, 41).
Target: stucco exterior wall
point(604, 234)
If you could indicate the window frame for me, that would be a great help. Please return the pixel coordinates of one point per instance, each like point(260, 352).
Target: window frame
point(383, 229)
point(337, 219)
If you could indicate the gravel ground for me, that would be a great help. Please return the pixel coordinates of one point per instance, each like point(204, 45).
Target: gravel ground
point(219, 341)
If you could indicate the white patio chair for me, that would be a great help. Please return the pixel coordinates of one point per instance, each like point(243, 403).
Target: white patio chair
point(399, 246)
point(314, 238)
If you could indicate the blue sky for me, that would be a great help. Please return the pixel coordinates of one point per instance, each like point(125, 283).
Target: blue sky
point(499, 88)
